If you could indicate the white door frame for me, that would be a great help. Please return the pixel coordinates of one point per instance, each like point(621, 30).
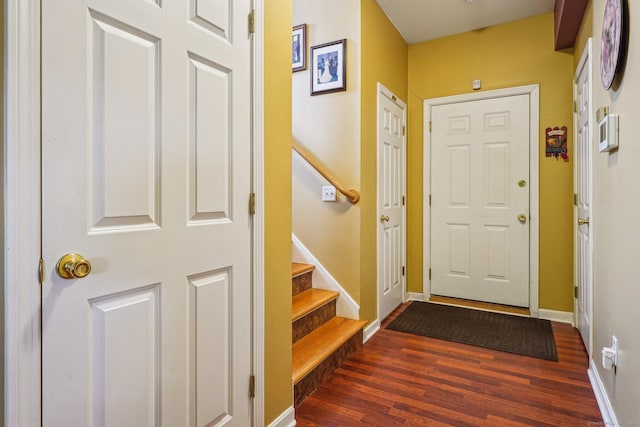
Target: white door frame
point(533, 91)
point(22, 245)
point(586, 59)
point(383, 91)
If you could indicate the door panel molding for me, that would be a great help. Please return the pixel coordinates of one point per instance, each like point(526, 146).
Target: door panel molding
point(533, 91)
point(21, 219)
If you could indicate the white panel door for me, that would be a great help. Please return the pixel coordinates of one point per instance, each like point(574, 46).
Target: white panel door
point(146, 165)
point(583, 161)
point(391, 177)
point(479, 188)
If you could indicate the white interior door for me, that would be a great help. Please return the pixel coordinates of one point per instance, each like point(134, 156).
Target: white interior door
point(391, 178)
point(480, 200)
point(146, 166)
point(583, 194)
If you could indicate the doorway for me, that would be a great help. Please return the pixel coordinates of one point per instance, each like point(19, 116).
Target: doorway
point(583, 195)
point(391, 201)
point(23, 217)
point(481, 194)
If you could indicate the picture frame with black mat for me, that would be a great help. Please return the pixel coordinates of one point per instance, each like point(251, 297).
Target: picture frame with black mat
point(299, 48)
point(328, 67)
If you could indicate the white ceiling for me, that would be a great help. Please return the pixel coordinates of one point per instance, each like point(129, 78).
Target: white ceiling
point(420, 20)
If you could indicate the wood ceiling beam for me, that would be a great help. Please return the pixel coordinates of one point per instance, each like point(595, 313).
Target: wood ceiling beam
point(568, 16)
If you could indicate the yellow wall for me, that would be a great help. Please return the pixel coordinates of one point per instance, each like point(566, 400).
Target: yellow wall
point(512, 54)
point(616, 240)
point(384, 60)
point(586, 31)
point(277, 117)
point(328, 126)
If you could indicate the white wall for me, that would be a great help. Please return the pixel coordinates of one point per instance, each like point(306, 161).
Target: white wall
point(329, 127)
point(617, 230)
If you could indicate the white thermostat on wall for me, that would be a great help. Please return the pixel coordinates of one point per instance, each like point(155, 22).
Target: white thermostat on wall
point(607, 130)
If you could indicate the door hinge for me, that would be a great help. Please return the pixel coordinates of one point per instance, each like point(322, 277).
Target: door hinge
point(402, 200)
point(575, 107)
point(403, 270)
point(575, 292)
point(430, 126)
point(575, 199)
point(429, 199)
point(252, 203)
point(41, 268)
point(429, 274)
point(252, 21)
point(252, 386)
point(404, 130)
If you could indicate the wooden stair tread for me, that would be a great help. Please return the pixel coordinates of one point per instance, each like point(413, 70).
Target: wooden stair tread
point(314, 348)
point(298, 268)
point(309, 300)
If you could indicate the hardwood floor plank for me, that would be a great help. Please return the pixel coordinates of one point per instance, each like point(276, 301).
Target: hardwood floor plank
point(399, 379)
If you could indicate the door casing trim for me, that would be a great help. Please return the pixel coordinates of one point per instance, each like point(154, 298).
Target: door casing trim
point(533, 91)
point(21, 221)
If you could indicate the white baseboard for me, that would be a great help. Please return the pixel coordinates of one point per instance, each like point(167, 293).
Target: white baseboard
point(606, 409)
point(415, 296)
point(556, 316)
point(286, 419)
point(346, 306)
point(370, 330)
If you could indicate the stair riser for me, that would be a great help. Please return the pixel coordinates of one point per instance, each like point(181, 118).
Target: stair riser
point(310, 383)
point(301, 283)
point(309, 322)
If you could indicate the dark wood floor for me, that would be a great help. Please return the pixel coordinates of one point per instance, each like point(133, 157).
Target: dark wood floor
point(403, 379)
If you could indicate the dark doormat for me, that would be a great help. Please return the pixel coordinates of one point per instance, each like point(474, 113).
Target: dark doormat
point(503, 332)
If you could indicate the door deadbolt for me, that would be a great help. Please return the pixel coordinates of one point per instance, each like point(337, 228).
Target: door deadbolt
point(522, 183)
point(73, 266)
point(522, 218)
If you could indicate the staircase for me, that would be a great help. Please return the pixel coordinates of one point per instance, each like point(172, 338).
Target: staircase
point(321, 340)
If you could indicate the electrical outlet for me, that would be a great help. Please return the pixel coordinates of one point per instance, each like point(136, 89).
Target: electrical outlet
point(328, 193)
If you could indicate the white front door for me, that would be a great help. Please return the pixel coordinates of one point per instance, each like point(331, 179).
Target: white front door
point(391, 178)
point(480, 200)
point(583, 195)
point(146, 173)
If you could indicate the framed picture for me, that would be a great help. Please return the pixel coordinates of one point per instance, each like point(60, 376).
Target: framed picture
point(328, 67)
point(299, 48)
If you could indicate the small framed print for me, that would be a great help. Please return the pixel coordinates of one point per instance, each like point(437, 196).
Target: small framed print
point(328, 67)
point(299, 48)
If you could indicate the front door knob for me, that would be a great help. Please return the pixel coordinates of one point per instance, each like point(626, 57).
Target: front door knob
point(384, 218)
point(73, 266)
point(522, 218)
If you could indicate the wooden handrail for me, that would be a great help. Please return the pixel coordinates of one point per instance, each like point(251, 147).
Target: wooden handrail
point(351, 194)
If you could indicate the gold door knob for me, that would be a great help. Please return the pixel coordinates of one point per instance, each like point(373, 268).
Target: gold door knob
point(522, 218)
point(73, 266)
point(384, 218)
point(583, 221)
point(522, 183)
